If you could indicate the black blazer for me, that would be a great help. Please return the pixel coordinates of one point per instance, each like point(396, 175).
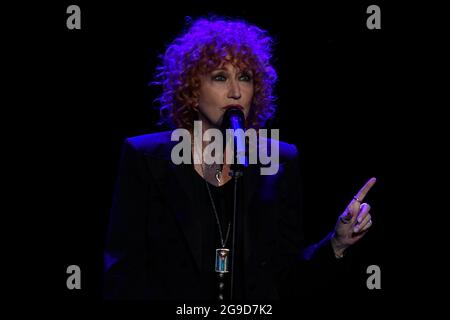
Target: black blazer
point(154, 243)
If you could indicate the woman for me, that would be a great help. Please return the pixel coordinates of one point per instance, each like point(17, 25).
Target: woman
point(172, 225)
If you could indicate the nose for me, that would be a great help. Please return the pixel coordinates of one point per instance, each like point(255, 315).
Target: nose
point(234, 91)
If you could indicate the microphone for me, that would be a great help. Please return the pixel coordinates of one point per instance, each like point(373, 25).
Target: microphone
point(234, 119)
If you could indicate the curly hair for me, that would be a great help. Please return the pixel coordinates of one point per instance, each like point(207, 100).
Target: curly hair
point(203, 47)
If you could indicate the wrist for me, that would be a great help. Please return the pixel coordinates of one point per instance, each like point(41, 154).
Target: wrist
point(338, 247)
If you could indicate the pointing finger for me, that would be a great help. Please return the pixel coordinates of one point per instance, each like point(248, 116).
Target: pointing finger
point(364, 190)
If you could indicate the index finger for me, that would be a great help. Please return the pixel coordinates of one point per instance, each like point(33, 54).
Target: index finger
point(363, 192)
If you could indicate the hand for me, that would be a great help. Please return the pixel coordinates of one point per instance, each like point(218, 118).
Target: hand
point(354, 222)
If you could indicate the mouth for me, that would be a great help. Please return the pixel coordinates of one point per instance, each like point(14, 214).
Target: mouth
point(233, 106)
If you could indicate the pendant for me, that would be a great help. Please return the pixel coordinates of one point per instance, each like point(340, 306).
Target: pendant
point(222, 260)
point(218, 175)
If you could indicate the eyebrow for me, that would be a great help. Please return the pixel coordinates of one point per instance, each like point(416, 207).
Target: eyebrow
point(226, 70)
point(219, 69)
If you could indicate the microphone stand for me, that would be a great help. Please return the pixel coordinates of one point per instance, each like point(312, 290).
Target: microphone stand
point(235, 172)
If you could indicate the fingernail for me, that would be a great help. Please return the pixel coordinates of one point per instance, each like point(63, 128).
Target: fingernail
point(355, 229)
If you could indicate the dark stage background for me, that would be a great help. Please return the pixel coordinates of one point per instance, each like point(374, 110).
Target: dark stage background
point(342, 97)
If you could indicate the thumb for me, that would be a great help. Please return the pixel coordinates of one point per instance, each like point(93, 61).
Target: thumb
point(346, 216)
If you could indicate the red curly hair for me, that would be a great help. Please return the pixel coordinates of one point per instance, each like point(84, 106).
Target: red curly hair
point(204, 47)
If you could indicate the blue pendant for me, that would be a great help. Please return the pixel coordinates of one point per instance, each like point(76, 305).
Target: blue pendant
point(222, 260)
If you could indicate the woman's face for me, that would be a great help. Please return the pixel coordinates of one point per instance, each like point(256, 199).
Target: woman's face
point(221, 88)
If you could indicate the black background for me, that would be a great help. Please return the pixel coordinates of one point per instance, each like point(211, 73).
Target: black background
point(347, 98)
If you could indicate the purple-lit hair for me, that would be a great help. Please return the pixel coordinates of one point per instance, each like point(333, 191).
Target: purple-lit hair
point(203, 47)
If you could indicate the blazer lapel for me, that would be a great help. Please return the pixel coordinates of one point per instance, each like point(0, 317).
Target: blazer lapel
point(174, 181)
point(185, 214)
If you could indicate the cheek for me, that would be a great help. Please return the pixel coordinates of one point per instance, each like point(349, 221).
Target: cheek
point(209, 92)
point(210, 98)
point(249, 92)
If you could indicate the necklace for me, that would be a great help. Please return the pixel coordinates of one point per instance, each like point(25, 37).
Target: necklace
point(217, 174)
point(222, 254)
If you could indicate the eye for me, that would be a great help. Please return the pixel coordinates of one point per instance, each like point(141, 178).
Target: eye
point(245, 77)
point(219, 77)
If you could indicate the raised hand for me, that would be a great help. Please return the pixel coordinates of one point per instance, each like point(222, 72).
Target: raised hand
point(354, 222)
